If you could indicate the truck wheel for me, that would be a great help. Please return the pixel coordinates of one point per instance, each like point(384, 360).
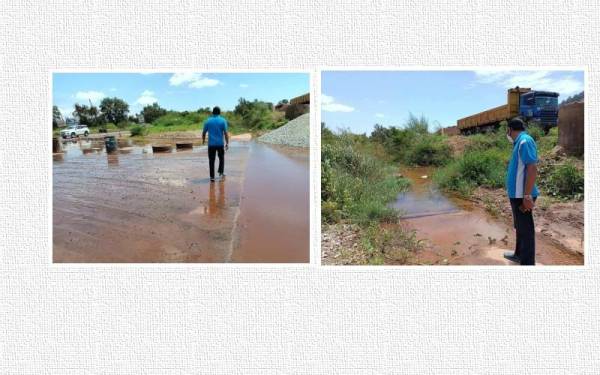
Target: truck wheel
point(86, 134)
point(73, 135)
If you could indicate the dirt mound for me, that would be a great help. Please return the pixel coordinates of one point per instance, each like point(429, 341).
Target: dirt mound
point(458, 144)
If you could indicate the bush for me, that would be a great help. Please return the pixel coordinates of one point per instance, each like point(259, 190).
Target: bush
point(355, 187)
point(138, 130)
point(536, 132)
point(476, 168)
point(563, 181)
point(429, 150)
point(123, 124)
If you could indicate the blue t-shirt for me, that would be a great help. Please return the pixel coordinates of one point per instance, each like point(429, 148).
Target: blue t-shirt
point(216, 126)
point(524, 153)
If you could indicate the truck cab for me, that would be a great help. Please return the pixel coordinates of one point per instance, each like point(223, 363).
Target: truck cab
point(539, 107)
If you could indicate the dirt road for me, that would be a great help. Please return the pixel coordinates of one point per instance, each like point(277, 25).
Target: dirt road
point(136, 206)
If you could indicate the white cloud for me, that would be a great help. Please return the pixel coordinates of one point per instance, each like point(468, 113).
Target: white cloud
point(538, 80)
point(193, 80)
point(243, 85)
point(328, 104)
point(379, 115)
point(146, 98)
point(113, 89)
point(86, 96)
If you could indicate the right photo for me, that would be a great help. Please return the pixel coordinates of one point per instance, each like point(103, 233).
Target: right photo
point(452, 167)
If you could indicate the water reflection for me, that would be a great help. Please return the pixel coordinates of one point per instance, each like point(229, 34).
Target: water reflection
point(112, 159)
point(216, 199)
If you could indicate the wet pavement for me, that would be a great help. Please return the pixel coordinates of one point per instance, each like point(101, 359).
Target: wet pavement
point(138, 206)
point(458, 232)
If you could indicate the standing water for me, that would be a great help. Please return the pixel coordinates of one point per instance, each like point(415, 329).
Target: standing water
point(456, 231)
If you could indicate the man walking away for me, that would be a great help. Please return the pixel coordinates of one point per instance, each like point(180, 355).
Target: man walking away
point(216, 126)
point(522, 191)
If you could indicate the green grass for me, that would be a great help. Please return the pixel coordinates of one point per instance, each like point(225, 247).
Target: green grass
point(356, 187)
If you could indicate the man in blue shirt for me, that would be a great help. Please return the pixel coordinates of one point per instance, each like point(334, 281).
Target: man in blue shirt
point(216, 126)
point(522, 192)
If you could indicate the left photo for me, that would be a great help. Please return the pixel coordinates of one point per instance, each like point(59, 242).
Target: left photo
point(184, 167)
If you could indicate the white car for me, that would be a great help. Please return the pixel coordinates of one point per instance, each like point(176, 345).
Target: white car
point(75, 131)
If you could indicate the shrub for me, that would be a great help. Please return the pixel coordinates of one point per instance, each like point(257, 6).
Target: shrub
point(563, 181)
point(475, 168)
point(536, 132)
point(355, 187)
point(429, 150)
point(138, 130)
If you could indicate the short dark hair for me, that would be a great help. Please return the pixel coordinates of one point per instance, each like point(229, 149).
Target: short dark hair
point(516, 123)
point(216, 111)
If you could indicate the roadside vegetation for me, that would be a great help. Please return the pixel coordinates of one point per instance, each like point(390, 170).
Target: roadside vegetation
point(358, 181)
point(113, 114)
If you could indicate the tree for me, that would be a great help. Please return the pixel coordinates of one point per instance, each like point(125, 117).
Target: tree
point(283, 101)
point(152, 112)
point(114, 110)
point(56, 117)
point(87, 115)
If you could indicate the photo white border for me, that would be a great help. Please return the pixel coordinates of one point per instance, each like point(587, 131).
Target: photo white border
point(469, 268)
point(173, 265)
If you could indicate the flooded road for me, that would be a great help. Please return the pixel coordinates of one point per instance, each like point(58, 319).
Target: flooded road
point(138, 206)
point(458, 232)
point(272, 226)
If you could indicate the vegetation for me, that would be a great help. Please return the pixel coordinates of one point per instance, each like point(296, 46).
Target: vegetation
point(153, 112)
point(357, 185)
point(563, 181)
point(250, 116)
point(413, 144)
point(575, 98)
point(56, 117)
point(486, 157)
point(114, 110)
point(138, 130)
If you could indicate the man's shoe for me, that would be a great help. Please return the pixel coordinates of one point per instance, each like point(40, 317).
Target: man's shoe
point(510, 255)
point(212, 179)
point(221, 175)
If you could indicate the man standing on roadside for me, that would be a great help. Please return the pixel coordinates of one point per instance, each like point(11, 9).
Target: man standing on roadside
point(522, 192)
point(216, 126)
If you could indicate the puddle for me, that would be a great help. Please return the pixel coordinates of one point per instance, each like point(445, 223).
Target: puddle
point(423, 199)
point(458, 232)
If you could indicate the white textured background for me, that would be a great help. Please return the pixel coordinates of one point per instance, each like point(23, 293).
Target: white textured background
point(275, 320)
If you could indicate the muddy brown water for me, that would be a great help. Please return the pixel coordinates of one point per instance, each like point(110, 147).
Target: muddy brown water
point(136, 206)
point(456, 231)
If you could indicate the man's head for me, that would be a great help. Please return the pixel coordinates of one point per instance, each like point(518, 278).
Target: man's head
point(515, 126)
point(216, 111)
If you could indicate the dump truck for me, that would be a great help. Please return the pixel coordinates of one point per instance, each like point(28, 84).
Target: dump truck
point(540, 107)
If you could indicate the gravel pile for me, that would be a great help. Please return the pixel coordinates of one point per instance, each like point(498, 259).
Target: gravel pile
point(294, 133)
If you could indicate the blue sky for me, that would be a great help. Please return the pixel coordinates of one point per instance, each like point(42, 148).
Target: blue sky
point(357, 100)
point(175, 91)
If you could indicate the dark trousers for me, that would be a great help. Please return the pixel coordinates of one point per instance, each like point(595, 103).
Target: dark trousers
point(219, 150)
point(523, 221)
